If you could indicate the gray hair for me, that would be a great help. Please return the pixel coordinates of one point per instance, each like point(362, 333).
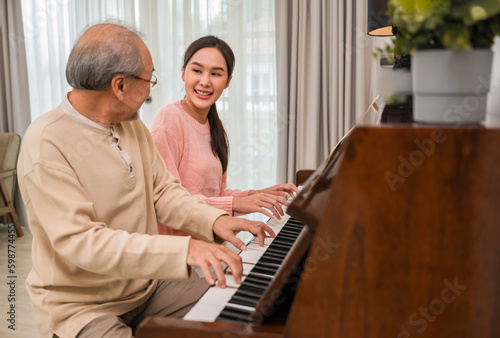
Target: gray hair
point(102, 52)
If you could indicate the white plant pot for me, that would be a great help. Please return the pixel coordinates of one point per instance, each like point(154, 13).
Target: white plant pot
point(450, 87)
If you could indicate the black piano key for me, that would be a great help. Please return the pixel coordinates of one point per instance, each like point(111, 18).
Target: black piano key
point(267, 265)
point(243, 300)
point(292, 234)
point(268, 259)
point(295, 227)
point(247, 296)
point(278, 251)
point(270, 255)
point(288, 236)
point(276, 255)
point(284, 241)
point(255, 282)
point(261, 279)
point(291, 228)
point(265, 270)
point(294, 223)
point(234, 315)
point(279, 245)
point(248, 291)
point(255, 285)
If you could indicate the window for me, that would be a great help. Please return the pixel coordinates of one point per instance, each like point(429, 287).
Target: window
point(248, 108)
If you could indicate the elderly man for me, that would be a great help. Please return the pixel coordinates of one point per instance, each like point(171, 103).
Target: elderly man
point(95, 188)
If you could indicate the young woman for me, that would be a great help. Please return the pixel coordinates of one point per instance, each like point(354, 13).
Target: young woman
point(192, 140)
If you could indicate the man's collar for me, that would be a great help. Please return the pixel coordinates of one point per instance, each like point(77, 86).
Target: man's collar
point(79, 118)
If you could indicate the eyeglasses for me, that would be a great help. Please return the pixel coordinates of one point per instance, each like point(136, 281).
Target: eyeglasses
point(153, 80)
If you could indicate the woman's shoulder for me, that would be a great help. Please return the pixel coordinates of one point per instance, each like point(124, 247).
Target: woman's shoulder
point(171, 110)
point(169, 116)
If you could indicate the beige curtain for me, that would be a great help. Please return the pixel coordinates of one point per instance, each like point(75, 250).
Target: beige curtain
point(14, 96)
point(323, 77)
point(247, 108)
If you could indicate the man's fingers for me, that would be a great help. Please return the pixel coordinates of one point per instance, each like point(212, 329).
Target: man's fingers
point(269, 230)
point(217, 257)
point(236, 269)
point(207, 273)
point(219, 272)
point(237, 243)
point(261, 230)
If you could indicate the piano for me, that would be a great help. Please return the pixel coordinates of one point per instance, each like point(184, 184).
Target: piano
point(397, 234)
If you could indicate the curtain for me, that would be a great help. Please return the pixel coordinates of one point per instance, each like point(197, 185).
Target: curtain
point(247, 108)
point(14, 93)
point(51, 27)
point(493, 102)
point(324, 64)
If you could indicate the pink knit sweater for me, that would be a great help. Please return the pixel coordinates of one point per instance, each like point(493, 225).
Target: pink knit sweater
point(184, 144)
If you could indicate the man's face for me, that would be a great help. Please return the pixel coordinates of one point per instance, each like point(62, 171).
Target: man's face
point(137, 91)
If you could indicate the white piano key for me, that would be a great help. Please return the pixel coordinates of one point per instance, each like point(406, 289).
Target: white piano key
point(277, 224)
point(232, 247)
point(210, 304)
point(247, 267)
point(251, 256)
point(255, 243)
point(230, 282)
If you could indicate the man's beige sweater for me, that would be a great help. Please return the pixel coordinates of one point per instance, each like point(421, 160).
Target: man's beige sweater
point(93, 197)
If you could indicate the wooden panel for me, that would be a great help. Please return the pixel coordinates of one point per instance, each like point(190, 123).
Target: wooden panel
point(409, 241)
point(158, 327)
point(302, 175)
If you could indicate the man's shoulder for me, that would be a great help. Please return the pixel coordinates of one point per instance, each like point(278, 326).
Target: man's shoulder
point(44, 121)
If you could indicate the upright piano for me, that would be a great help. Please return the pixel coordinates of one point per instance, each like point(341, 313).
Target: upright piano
point(399, 237)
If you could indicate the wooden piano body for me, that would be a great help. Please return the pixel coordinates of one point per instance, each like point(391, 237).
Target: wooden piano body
point(406, 241)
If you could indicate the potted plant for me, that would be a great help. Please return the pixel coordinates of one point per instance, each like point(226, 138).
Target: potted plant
point(450, 43)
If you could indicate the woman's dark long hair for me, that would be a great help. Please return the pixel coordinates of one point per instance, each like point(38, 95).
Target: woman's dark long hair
point(218, 136)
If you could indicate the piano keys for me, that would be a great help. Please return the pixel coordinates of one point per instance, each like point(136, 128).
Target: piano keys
point(250, 301)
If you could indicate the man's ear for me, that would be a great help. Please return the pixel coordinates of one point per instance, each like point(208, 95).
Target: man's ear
point(118, 84)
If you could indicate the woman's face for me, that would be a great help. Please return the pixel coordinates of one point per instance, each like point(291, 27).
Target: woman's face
point(205, 78)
